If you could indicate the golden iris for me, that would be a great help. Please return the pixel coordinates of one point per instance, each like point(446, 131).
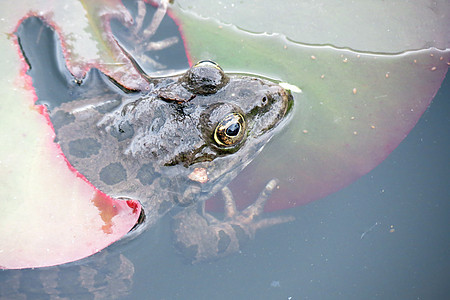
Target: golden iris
point(230, 130)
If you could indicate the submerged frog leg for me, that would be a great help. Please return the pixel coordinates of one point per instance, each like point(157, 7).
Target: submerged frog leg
point(163, 44)
point(209, 218)
point(154, 24)
point(246, 217)
point(230, 205)
point(157, 18)
point(202, 237)
point(139, 20)
point(141, 33)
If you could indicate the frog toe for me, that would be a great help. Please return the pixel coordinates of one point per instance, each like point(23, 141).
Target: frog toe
point(201, 237)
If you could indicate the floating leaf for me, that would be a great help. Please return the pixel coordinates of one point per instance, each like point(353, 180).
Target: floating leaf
point(49, 214)
point(356, 106)
point(364, 25)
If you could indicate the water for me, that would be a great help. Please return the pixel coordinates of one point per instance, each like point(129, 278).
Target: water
point(386, 236)
point(321, 255)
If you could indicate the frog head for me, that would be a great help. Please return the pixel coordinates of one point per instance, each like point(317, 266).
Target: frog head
point(186, 135)
point(210, 126)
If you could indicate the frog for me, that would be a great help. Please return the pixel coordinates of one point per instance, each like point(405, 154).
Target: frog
point(171, 145)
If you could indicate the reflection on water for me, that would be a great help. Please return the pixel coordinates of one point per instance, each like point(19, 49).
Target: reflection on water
point(356, 107)
point(341, 247)
point(104, 276)
point(321, 255)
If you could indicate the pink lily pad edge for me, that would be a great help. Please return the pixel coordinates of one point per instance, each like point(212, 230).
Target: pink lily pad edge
point(75, 219)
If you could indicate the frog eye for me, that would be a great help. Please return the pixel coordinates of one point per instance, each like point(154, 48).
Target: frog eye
point(230, 130)
point(204, 78)
point(208, 64)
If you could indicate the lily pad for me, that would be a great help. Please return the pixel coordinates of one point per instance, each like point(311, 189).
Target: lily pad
point(49, 214)
point(364, 25)
point(356, 106)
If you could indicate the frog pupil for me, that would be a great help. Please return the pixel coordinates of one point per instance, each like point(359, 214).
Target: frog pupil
point(233, 129)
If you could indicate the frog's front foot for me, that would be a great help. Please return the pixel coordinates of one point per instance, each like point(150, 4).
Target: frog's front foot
point(199, 236)
point(140, 32)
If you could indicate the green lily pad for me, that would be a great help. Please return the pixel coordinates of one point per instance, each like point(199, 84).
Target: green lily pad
point(374, 26)
point(49, 214)
point(356, 107)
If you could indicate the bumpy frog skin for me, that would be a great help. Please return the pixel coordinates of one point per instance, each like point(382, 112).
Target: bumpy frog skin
point(175, 144)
